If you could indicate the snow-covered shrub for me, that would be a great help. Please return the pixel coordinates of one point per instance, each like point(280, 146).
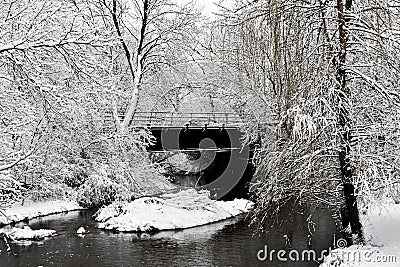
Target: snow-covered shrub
point(10, 189)
point(97, 191)
point(76, 179)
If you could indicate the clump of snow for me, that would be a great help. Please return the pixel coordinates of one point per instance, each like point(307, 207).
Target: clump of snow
point(18, 212)
point(81, 230)
point(27, 233)
point(381, 231)
point(180, 210)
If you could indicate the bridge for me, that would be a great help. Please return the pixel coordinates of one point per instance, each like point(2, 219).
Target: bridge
point(162, 119)
point(202, 136)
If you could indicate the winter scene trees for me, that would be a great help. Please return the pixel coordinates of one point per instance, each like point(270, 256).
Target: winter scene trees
point(252, 123)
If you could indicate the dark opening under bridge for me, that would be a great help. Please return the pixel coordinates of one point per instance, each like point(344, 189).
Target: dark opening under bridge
point(218, 133)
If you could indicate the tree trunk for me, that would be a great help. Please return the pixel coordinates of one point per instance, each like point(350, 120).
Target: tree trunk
point(135, 67)
point(350, 213)
point(130, 112)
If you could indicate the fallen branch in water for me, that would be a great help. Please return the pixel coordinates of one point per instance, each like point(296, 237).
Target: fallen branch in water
point(6, 243)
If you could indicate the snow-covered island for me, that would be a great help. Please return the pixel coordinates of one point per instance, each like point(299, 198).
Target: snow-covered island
point(184, 209)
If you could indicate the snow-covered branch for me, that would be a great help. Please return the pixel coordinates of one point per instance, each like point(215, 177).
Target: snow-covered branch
point(16, 161)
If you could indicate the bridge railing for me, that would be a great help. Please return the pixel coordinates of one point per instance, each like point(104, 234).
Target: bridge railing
point(190, 119)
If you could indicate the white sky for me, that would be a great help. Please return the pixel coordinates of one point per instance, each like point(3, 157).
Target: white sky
point(209, 6)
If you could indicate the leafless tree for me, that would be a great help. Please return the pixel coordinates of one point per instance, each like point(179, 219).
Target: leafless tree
point(148, 30)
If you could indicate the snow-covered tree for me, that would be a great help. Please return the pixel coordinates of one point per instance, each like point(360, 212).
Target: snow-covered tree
point(328, 72)
point(55, 71)
point(150, 34)
point(42, 52)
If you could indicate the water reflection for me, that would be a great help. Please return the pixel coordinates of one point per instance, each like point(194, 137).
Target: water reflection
point(226, 243)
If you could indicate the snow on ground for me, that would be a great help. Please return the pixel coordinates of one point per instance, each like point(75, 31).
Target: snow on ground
point(382, 235)
point(27, 233)
point(180, 210)
point(18, 212)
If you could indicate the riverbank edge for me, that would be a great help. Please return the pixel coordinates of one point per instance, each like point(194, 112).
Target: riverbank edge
point(35, 209)
point(382, 239)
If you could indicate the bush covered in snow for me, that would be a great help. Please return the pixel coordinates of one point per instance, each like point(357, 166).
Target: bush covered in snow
point(97, 191)
point(119, 179)
point(10, 189)
point(76, 178)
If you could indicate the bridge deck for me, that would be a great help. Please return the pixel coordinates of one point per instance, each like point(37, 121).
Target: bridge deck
point(191, 119)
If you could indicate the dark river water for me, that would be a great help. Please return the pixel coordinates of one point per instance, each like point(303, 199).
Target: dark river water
point(227, 243)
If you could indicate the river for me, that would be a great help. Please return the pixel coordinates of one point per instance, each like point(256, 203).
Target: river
point(226, 243)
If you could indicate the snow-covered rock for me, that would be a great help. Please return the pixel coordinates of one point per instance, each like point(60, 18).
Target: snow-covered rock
point(180, 210)
point(81, 230)
point(26, 233)
point(30, 210)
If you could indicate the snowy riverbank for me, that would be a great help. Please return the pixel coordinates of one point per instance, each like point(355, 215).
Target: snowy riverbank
point(18, 212)
point(382, 235)
point(26, 233)
point(180, 210)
